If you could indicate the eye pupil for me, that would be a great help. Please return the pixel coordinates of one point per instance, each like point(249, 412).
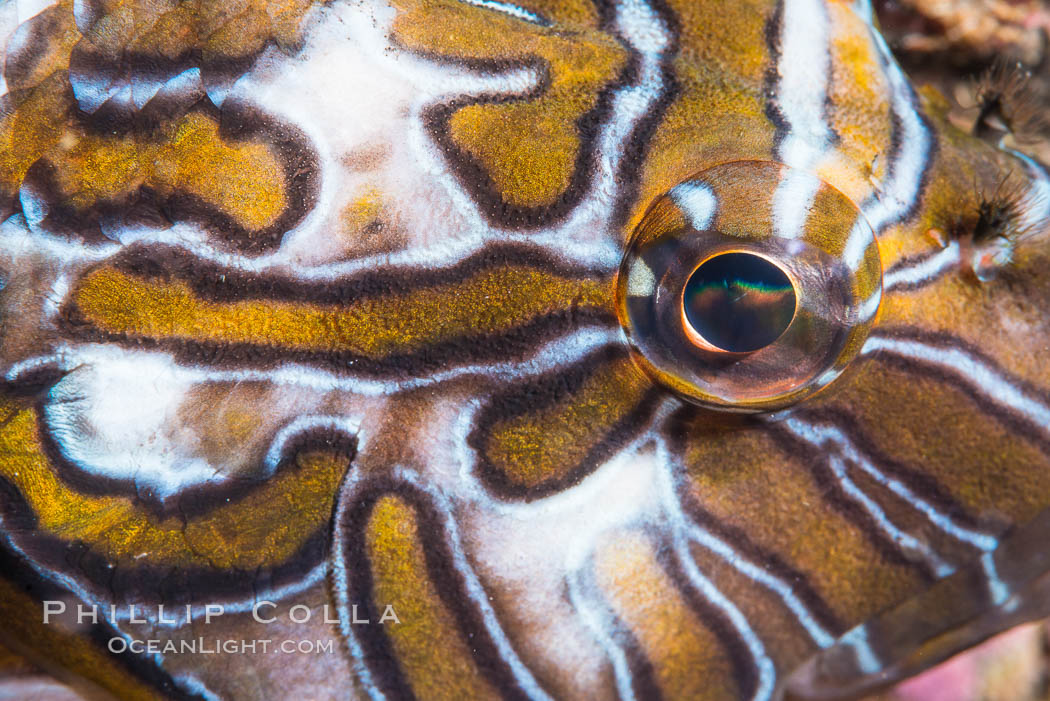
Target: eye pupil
point(729, 309)
point(739, 302)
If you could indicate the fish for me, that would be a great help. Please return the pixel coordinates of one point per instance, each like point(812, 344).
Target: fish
point(604, 349)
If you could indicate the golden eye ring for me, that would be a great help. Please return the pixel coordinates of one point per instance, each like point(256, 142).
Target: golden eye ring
point(732, 307)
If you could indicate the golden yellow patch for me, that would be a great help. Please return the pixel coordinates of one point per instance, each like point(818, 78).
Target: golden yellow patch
point(240, 179)
point(830, 222)
point(488, 302)
point(745, 198)
point(861, 114)
point(727, 39)
point(706, 125)
point(429, 648)
point(575, 14)
point(689, 660)
point(718, 114)
point(243, 180)
point(534, 168)
point(33, 129)
point(363, 212)
point(546, 445)
point(264, 528)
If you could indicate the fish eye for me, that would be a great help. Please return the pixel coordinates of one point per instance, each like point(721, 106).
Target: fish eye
point(737, 302)
point(749, 286)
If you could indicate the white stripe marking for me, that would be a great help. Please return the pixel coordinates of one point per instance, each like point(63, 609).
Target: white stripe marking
point(804, 70)
point(924, 271)
point(596, 623)
point(997, 589)
point(730, 556)
point(344, 424)
point(475, 591)
point(767, 673)
point(558, 353)
point(904, 184)
point(697, 202)
point(857, 639)
point(801, 93)
point(979, 376)
point(818, 436)
point(342, 599)
point(752, 571)
point(640, 280)
point(793, 202)
point(867, 309)
point(901, 538)
point(1036, 211)
point(507, 8)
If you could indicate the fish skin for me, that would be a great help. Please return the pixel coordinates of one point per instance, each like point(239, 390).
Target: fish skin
point(338, 317)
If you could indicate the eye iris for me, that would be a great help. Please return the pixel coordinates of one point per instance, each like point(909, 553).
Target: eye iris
point(725, 307)
point(739, 302)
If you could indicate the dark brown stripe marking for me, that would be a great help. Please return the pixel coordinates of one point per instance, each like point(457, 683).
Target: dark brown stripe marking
point(236, 122)
point(447, 580)
point(214, 283)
